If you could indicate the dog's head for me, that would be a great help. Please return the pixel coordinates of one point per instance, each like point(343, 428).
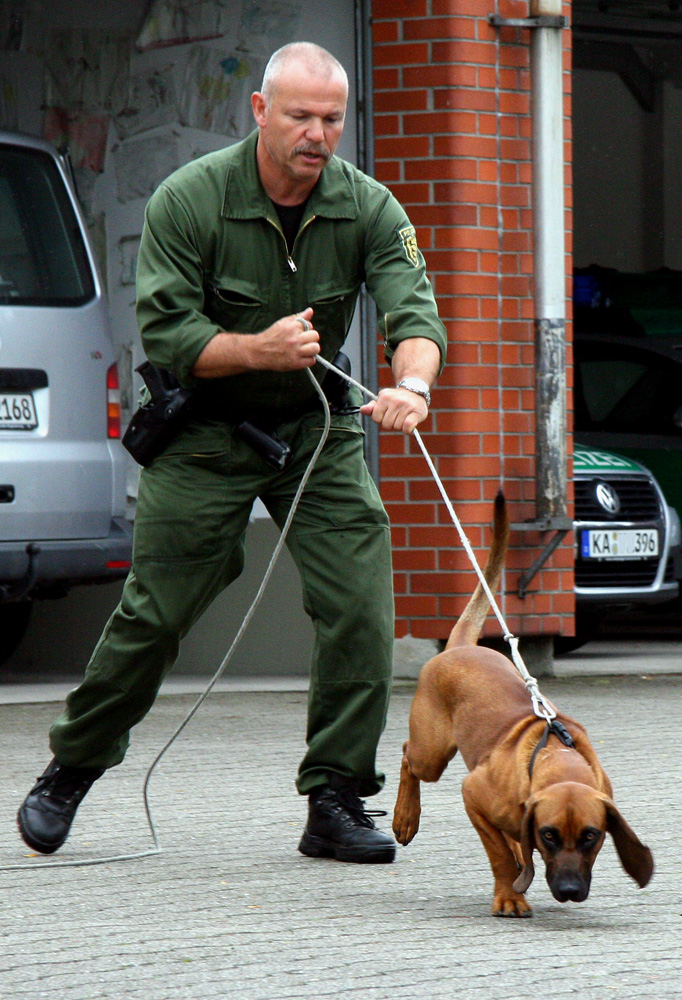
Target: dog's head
point(567, 823)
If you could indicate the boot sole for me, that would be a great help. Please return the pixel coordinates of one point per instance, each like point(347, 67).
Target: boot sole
point(36, 845)
point(316, 847)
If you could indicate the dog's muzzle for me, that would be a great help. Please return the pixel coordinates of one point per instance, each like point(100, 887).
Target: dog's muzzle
point(569, 887)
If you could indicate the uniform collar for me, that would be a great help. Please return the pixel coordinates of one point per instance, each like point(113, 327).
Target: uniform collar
point(245, 196)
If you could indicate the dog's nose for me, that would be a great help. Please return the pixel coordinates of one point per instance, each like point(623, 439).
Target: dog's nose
point(570, 887)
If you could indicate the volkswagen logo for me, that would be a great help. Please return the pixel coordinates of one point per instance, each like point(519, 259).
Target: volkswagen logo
point(607, 498)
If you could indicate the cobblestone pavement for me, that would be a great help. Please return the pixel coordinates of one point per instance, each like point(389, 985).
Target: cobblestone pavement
point(230, 909)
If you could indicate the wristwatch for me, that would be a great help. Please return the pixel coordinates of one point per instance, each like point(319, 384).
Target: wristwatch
point(417, 385)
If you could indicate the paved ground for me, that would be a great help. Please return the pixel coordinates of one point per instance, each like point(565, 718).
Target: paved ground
point(230, 909)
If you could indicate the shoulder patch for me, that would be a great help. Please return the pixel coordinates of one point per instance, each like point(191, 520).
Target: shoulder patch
point(408, 241)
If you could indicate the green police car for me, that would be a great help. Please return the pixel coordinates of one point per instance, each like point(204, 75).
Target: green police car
point(627, 539)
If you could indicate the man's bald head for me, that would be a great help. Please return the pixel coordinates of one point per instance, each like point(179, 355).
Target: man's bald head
point(313, 58)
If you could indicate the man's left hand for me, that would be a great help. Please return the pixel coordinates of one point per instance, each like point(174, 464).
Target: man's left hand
point(397, 410)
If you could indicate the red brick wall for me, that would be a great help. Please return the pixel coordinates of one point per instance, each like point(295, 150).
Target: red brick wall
point(452, 141)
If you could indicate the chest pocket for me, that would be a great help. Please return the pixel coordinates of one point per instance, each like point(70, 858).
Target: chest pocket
point(331, 318)
point(238, 308)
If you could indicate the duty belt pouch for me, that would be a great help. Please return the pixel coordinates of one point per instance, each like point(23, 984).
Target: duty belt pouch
point(275, 451)
point(337, 389)
point(156, 423)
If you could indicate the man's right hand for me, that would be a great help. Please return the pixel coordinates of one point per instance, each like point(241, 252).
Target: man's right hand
point(288, 345)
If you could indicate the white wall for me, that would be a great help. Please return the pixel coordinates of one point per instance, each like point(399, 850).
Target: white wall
point(333, 28)
point(156, 84)
point(63, 633)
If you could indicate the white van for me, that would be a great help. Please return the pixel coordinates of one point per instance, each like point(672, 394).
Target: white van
point(62, 466)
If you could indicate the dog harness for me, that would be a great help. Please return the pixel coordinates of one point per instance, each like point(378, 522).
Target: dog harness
point(559, 729)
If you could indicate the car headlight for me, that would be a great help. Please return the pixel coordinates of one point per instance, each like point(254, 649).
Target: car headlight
point(675, 530)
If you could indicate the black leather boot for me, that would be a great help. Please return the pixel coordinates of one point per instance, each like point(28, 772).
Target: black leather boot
point(339, 827)
point(46, 816)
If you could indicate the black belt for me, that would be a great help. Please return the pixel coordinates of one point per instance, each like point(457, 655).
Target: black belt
point(262, 416)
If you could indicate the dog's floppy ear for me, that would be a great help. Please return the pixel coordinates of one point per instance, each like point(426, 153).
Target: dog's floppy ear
point(527, 846)
point(635, 857)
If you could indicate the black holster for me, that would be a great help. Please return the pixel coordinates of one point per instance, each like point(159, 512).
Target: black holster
point(156, 423)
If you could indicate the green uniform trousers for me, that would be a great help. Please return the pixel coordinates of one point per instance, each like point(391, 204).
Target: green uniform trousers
point(193, 510)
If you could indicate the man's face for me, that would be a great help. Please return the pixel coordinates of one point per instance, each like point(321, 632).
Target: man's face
point(301, 128)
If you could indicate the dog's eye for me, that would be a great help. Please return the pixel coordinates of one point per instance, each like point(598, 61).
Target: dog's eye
point(550, 836)
point(588, 837)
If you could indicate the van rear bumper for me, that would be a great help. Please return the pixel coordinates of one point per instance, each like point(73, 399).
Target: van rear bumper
point(71, 561)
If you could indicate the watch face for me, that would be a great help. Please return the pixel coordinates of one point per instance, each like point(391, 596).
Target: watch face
point(417, 385)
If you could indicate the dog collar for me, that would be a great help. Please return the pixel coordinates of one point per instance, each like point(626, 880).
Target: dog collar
point(559, 729)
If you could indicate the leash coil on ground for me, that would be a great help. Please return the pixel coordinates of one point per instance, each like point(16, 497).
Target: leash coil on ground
point(157, 849)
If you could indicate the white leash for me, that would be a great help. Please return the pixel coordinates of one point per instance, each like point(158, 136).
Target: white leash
point(541, 707)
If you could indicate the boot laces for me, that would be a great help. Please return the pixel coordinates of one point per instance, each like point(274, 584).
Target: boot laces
point(66, 783)
point(355, 806)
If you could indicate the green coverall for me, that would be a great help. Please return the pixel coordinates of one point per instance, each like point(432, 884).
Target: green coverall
point(213, 257)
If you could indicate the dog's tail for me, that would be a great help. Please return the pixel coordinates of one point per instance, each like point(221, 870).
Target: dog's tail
point(470, 623)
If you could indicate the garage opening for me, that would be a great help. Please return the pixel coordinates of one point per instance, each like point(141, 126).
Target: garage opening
point(627, 148)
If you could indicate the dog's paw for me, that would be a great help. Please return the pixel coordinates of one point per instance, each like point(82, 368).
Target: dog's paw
point(511, 905)
point(405, 827)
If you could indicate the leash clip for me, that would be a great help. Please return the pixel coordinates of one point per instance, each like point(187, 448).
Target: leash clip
point(541, 707)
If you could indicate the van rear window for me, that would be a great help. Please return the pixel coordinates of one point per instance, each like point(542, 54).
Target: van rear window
point(43, 260)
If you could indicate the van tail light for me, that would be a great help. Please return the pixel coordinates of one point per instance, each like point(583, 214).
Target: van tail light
point(113, 403)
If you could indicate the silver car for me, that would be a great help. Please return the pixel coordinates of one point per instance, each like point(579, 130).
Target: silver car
point(62, 466)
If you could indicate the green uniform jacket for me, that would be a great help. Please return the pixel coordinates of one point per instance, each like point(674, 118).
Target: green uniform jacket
point(213, 257)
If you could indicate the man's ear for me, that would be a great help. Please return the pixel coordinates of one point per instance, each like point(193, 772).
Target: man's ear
point(259, 106)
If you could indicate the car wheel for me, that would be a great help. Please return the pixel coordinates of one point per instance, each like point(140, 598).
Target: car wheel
point(14, 619)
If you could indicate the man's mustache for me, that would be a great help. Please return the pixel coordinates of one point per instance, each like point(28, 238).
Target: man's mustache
point(317, 150)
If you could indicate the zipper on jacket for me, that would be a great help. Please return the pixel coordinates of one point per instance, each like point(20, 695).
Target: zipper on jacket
point(290, 260)
point(304, 226)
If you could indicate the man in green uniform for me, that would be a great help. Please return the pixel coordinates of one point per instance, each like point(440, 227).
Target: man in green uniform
point(249, 268)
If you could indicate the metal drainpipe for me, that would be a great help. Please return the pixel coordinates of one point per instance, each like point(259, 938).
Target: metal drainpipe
point(547, 109)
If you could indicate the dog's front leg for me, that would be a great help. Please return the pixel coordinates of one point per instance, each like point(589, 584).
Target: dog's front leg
point(506, 901)
point(408, 803)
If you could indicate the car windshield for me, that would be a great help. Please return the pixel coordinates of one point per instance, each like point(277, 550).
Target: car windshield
point(42, 256)
point(631, 392)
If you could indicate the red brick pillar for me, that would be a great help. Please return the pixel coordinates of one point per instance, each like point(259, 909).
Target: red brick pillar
point(452, 141)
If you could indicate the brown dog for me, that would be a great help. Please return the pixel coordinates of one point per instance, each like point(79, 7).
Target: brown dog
point(558, 802)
